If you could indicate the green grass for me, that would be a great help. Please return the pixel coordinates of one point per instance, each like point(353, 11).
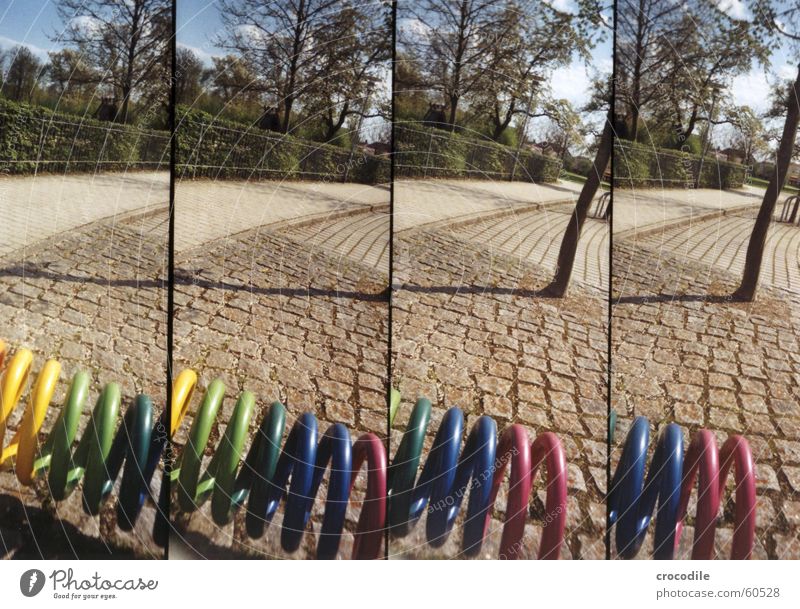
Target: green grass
point(573, 177)
point(759, 183)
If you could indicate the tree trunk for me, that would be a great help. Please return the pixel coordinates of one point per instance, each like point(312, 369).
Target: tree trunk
point(287, 113)
point(634, 130)
point(569, 244)
point(123, 112)
point(453, 109)
point(758, 238)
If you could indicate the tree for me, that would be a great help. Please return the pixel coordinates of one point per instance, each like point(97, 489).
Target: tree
point(569, 243)
point(277, 41)
point(640, 53)
point(128, 42)
point(566, 127)
point(528, 46)
point(749, 133)
point(356, 47)
point(601, 100)
point(775, 21)
point(23, 74)
point(716, 49)
point(410, 89)
point(672, 58)
point(70, 75)
point(230, 78)
point(189, 72)
point(452, 44)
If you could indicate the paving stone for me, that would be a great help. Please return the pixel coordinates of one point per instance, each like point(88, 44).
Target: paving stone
point(723, 356)
point(65, 301)
point(541, 363)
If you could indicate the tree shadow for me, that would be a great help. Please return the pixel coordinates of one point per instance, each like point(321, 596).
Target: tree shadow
point(474, 289)
point(678, 298)
point(182, 278)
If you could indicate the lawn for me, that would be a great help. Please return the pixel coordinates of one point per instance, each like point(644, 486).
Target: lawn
point(787, 190)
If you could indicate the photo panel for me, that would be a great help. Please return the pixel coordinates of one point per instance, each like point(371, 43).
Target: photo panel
point(705, 283)
point(500, 280)
point(281, 279)
point(84, 236)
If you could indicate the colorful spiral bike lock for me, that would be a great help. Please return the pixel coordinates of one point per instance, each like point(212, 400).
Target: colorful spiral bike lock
point(446, 475)
point(270, 474)
point(99, 456)
point(669, 484)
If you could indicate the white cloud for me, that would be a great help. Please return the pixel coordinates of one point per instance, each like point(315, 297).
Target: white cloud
point(250, 33)
point(787, 71)
point(7, 43)
point(564, 6)
point(751, 89)
point(734, 8)
point(412, 29)
point(571, 82)
point(84, 22)
point(203, 55)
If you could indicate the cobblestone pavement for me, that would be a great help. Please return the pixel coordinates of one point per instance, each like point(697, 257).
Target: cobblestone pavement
point(468, 331)
point(421, 202)
point(295, 312)
point(534, 235)
point(95, 299)
point(39, 207)
point(682, 352)
point(362, 236)
point(722, 243)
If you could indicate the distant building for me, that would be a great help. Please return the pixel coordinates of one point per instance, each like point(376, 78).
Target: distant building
point(376, 148)
point(794, 174)
point(732, 155)
point(765, 169)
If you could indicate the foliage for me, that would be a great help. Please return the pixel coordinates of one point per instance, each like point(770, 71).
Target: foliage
point(209, 147)
point(424, 152)
point(33, 138)
point(641, 166)
point(321, 58)
point(127, 42)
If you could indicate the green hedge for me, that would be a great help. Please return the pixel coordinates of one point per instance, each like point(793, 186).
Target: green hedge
point(640, 166)
point(34, 138)
point(426, 152)
point(209, 147)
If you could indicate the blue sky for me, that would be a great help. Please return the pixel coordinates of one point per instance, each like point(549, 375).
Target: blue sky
point(197, 25)
point(29, 22)
point(34, 22)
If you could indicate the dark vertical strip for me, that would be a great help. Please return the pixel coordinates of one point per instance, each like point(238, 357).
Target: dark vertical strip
point(612, 114)
point(391, 267)
point(165, 497)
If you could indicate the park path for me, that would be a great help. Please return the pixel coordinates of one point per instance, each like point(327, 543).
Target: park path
point(517, 219)
point(710, 227)
point(289, 312)
point(683, 352)
point(421, 202)
point(39, 207)
point(638, 210)
point(535, 236)
point(95, 298)
point(36, 208)
point(206, 210)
